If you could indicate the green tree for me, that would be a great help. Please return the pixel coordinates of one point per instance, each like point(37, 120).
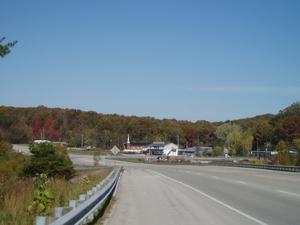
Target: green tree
point(50, 160)
point(289, 129)
point(206, 132)
point(263, 132)
point(283, 153)
point(296, 142)
point(247, 140)
point(225, 129)
point(234, 142)
point(6, 48)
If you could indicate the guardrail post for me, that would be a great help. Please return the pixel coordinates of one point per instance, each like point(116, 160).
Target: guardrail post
point(82, 197)
point(89, 194)
point(61, 211)
point(58, 212)
point(85, 209)
point(41, 220)
point(73, 203)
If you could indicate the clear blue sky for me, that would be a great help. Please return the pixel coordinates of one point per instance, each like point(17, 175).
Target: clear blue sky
point(193, 60)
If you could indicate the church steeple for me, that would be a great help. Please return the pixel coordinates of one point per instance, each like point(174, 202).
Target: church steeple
point(128, 141)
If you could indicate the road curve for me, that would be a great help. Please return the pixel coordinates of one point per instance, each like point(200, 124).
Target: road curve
point(163, 195)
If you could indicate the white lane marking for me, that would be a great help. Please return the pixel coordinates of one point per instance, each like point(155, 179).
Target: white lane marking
point(289, 193)
point(241, 182)
point(212, 198)
point(215, 177)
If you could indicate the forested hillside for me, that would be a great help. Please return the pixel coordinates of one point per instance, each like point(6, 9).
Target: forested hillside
point(22, 125)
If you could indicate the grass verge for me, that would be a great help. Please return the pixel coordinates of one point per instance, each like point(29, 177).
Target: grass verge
point(90, 152)
point(16, 194)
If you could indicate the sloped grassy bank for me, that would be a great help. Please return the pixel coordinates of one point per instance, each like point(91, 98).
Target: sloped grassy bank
point(17, 194)
point(22, 194)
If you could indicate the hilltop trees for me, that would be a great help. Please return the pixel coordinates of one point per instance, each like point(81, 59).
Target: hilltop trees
point(206, 132)
point(239, 142)
point(234, 142)
point(292, 110)
point(225, 129)
point(288, 129)
point(263, 132)
point(230, 135)
point(5, 48)
point(190, 134)
point(23, 125)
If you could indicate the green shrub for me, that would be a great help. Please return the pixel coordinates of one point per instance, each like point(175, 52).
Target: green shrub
point(218, 151)
point(43, 197)
point(50, 160)
point(10, 161)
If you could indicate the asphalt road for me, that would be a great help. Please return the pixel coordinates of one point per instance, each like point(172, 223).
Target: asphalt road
point(183, 195)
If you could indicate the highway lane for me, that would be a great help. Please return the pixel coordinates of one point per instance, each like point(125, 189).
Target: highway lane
point(153, 194)
point(271, 204)
point(145, 197)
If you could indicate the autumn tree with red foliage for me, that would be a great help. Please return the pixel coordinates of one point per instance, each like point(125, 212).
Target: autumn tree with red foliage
point(190, 134)
point(289, 129)
point(37, 129)
point(26, 124)
point(50, 132)
point(45, 130)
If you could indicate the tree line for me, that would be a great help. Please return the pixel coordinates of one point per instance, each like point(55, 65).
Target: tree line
point(76, 127)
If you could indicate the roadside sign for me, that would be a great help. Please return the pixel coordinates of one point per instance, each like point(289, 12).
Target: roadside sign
point(115, 150)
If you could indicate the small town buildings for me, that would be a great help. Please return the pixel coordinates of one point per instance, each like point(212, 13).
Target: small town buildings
point(204, 150)
point(41, 141)
point(171, 150)
point(53, 142)
point(135, 147)
point(160, 148)
point(188, 151)
point(195, 151)
point(156, 148)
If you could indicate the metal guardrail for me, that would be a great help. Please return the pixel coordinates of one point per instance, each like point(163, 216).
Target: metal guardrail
point(230, 163)
point(84, 211)
point(261, 166)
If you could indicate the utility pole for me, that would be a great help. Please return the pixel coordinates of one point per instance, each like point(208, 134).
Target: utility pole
point(81, 140)
point(178, 140)
point(42, 134)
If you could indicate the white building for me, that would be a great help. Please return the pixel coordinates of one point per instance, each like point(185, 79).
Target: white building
point(41, 141)
point(160, 148)
point(170, 150)
point(156, 148)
